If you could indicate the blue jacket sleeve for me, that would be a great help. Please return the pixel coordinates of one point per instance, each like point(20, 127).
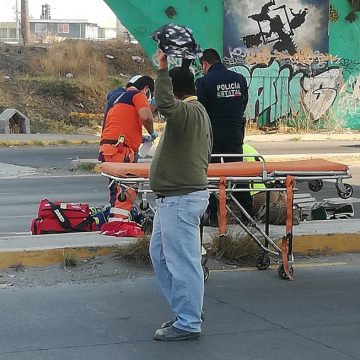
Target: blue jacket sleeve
point(201, 92)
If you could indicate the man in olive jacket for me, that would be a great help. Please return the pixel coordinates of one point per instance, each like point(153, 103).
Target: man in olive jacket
point(178, 177)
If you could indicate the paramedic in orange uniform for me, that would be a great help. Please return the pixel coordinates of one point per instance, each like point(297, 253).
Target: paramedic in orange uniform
point(122, 132)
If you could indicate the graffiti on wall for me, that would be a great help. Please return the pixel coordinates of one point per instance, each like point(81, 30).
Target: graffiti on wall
point(278, 29)
point(320, 91)
point(305, 59)
point(355, 7)
point(348, 100)
point(282, 48)
point(275, 91)
point(350, 66)
point(284, 28)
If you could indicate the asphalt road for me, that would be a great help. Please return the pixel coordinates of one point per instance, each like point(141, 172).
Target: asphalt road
point(20, 196)
point(48, 157)
point(248, 315)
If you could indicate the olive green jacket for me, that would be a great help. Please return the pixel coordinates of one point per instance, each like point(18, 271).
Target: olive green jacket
point(180, 162)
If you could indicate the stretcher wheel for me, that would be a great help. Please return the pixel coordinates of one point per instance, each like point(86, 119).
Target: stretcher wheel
point(144, 205)
point(122, 197)
point(315, 185)
point(206, 273)
point(347, 193)
point(147, 225)
point(263, 262)
point(282, 274)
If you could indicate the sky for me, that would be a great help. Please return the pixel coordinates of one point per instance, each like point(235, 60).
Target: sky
point(93, 10)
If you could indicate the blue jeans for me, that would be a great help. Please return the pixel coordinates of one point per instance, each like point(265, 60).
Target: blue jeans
point(175, 250)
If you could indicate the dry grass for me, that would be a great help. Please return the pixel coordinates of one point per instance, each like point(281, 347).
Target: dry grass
point(84, 166)
point(78, 58)
point(303, 122)
point(12, 143)
point(35, 81)
point(5, 97)
point(300, 122)
point(138, 251)
point(234, 248)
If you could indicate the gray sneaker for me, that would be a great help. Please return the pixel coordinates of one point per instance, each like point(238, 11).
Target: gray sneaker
point(172, 333)
point(171, 322)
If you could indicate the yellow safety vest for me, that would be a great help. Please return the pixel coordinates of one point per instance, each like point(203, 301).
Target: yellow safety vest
point(249, 150)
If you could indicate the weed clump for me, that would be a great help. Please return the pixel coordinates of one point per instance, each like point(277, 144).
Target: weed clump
point(138, 251)
point(235, 249)
point(69, 262)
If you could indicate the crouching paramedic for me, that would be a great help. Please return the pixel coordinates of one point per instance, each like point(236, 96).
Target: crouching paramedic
point(121, 134)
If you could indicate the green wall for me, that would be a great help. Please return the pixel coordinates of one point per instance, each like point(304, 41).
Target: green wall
point(344, 42)
point(205, 18)
point(142, 17)
point(344, 37)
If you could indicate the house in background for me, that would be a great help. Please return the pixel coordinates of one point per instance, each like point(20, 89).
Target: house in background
point(107, 33)
point(42, 29)
point(60, 29)
point(46, 29)
point(9, 32)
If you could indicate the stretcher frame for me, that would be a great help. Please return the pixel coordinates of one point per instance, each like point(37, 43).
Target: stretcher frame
point(223, 179)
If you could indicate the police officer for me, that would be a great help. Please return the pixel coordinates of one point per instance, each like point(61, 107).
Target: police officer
point(224, 94)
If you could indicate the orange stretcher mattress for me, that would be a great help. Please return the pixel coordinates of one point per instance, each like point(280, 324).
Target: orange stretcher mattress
point(233, 169)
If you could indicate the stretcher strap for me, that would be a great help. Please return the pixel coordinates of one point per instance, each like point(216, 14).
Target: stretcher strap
point(222, 206)
point(284, 257)
point(290, 182)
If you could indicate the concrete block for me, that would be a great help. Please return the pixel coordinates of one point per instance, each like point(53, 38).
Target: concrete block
point(12, 121)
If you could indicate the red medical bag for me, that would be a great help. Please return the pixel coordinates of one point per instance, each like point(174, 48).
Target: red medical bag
point(59, 217)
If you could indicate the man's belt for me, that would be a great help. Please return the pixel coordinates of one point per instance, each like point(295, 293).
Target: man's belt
point(108, 141)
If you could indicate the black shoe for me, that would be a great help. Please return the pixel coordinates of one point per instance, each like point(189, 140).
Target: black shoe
point(169, 323)
point(174, 334)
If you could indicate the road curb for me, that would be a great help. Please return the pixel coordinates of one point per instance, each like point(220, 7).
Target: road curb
point(310, 245)
point(34, 258)
point(326, 244)
point(322, 237)
point(47, 249)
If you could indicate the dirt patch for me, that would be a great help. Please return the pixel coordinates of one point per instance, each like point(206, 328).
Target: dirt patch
point(91, 270)
point(105, 269)
point(64, 101)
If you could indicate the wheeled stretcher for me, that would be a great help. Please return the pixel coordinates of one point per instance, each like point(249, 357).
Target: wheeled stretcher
point(223, 180)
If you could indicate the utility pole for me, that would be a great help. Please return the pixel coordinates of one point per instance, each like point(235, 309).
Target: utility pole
point(25, 23)
point(17, 19)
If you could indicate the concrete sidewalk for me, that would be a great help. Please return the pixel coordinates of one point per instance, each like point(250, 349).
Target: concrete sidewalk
point(312, 237)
